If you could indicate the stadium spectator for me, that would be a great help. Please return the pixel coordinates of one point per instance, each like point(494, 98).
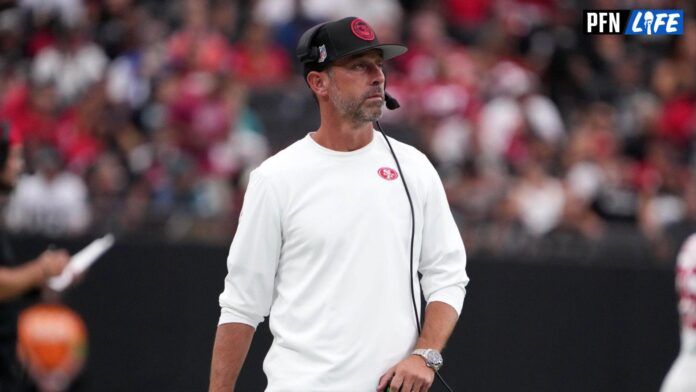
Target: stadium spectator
point(52, 202)
point(73, 63)
point(183, 98)
point(257, 60)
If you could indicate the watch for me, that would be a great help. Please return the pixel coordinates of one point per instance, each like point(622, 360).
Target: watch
point(433, 359)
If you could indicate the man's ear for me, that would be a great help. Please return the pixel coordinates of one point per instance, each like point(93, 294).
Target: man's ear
point(318, 82)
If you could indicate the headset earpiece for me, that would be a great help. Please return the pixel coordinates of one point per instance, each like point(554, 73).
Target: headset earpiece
point(307, 53)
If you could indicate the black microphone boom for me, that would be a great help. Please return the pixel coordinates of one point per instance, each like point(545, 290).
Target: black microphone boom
point(391, 102)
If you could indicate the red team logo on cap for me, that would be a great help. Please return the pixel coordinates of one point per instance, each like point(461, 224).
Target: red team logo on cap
point(388, 173)
point(362, 30)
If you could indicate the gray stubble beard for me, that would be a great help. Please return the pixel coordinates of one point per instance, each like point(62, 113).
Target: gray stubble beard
point(354, 110)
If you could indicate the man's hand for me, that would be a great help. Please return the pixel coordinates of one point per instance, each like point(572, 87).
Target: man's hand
point(51, 263)
point(15, 281)
point(411, 374)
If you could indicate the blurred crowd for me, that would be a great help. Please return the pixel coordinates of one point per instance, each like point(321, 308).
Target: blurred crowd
point(138, 116)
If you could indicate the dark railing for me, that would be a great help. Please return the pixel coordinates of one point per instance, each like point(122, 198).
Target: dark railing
point(527, 324)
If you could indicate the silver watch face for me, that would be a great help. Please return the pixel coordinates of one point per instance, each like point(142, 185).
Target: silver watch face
point(434, 359)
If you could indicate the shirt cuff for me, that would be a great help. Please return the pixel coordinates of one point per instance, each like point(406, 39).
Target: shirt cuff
point(228, 315)
point(452, 296)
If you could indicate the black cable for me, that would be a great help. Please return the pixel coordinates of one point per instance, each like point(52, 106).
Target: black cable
point(413, 234)
point(442, 380)
point(413, 227)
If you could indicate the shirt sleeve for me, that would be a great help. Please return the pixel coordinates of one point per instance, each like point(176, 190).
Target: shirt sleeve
point(443, 257)
point(253, 256)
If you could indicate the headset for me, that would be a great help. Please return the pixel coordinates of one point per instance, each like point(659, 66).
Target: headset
point(308, 54)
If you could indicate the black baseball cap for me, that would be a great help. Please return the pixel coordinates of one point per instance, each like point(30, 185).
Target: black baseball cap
point(327, 42)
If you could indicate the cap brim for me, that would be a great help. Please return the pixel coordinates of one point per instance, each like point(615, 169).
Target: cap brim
point(389, 51)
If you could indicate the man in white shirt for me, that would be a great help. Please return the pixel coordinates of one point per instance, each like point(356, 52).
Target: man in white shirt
point(52, 201)
point(324, 242)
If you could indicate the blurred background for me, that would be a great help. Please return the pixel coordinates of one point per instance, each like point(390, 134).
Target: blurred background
point(569, 162)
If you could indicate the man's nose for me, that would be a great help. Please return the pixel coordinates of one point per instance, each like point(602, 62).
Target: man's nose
point(377, 75)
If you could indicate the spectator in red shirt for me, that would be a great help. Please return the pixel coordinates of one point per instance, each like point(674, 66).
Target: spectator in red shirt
point(32, 111)
point(257, 60)
point(197, 46)
point(80, 131)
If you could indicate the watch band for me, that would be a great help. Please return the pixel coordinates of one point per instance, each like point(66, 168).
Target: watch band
point(432, 358)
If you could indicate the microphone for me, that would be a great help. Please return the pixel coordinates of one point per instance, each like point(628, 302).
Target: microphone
point(391, 102)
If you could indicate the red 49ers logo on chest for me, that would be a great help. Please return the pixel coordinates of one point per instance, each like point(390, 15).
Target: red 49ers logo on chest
point(388, 173)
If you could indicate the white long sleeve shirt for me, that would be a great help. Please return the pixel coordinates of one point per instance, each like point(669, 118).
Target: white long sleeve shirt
point(323, 246)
